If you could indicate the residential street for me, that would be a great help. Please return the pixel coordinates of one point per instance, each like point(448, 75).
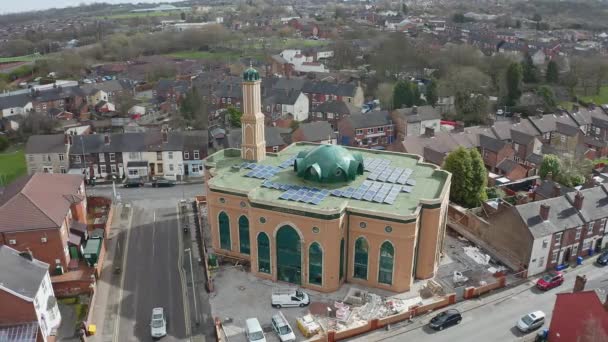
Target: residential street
point(495, 319)
point(144, 195)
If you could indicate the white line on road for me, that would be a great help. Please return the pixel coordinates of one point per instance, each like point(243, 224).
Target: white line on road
point(122, 277)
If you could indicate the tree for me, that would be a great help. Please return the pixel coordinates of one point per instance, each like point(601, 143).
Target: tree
point(403, 95)
point(234, 116)
point(385, 94)
point(431, 93)
point(4, 143)
point(124, 102)
point(550, 164)
point(552, 74)
point(404, 9)
point(548, 96)
point(530, 72)
point(469, 177)
point(469, 87)
point(344, 54)
point(514, 77)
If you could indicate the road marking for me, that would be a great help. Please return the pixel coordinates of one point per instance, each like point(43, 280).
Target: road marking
point(182, 276)
point(122, 277)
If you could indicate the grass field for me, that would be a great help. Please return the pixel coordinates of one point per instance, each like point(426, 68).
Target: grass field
point(211, 56)
point(28, 58)
point(129, 15)
point(600, 99)
point(12, 165)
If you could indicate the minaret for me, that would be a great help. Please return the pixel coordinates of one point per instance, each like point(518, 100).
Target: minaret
point(253, 147)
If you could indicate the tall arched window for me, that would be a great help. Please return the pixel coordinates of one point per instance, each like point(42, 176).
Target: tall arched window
point(224, 231)
point(341, 258)
point(315, 264)
point(263, 253)
point(244, 235)
point(385, 269)
point(361, 256)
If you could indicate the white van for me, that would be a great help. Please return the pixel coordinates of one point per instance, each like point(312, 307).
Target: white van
point(282, 328)
point(289, 297)
point(254, 331)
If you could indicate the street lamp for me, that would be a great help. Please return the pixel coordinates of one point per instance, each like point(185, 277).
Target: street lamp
point(193, 287)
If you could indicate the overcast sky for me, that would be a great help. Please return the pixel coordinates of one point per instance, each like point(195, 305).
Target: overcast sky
point(12, 6)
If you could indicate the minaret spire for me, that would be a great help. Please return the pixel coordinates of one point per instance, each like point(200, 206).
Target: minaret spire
point(252, 122)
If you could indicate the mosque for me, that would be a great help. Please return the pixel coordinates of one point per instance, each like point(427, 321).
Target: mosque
point(318, 216)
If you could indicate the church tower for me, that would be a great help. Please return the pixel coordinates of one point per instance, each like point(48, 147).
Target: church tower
point(253, 147)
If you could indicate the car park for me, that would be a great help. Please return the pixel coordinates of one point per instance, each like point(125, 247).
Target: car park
point(531, 321)
point(602, 259)
point(253, 331)
point(282, 328)
point(158, 325)
point(289, 298)
point(445, 319)
point(550, 280)
point(162, 183)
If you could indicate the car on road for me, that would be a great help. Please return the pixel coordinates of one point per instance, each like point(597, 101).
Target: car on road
point(500, 112)
point(162, 183)
point(531, 321)
point(602, 259)
point(133, 183)
point(158, 325)
point(289, 297)
point(550, 280)
point(253, 330)
point(282, 328)
point(445, 319)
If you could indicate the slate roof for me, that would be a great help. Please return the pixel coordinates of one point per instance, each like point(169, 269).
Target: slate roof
point(371, 119)
point(490, 143)
point(568, 130)
point(502, 129)
point(45, 197)
point(52, 143)
point(336, 107)
point(328, 88)
point(279, 96)
point(18, 100)
point(520, 137)
point(274, 135)
point(58, 93)
point(195, 140)
point(19, 274)
point(595, 202)
point(423, 113)
point(535, 158)
point(507, 165)
point(316, 131)
point(127, 142)
point(548, 122)
point(562, 216)
point(547, 188)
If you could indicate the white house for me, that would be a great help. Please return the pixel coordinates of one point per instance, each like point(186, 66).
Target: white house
point(16, 103)
point(302, 63)
point(417, 119)
point(280, 102)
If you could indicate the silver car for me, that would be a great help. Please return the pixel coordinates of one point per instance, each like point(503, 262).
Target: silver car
point(531, 321)
point(158, 325)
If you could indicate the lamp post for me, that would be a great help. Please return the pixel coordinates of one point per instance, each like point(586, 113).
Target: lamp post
point(193, 286)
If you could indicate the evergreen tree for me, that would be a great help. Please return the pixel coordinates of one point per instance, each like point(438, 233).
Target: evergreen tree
point(514, 77)
point(404, 9)
point(234, 116)
point(431, 93)
point(469, 177)
point(416, 100)
point(552, 72)
point(550, 164)
point(402, 95)
point(529, 70)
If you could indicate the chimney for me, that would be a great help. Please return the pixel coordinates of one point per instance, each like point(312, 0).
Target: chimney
point(557, 190)
point(544, 211)
point(516, 117)
point(575, 108)
point(67, 139)
point(106, 139)
point(415, 110)
point(459, 128)
point(579, 283)
point(429, 132)
point(539, 113)
point(578, 200)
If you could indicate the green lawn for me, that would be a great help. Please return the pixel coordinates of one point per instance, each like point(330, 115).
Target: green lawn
point(12, 165)
point(28, 58)
point(600, 99)
point(129, 15)
point(211, 56)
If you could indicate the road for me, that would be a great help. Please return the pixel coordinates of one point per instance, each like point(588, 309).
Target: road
point(160, 197)
point(495, 319)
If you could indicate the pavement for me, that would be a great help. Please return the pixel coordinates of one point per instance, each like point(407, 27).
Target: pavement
point(492, 317)
point(147, 243)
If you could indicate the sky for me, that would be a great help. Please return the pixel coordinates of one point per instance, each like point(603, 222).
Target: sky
point(12, 6)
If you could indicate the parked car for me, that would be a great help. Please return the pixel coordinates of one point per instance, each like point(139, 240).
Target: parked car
point(445, 319)
point(282, 328)
point(158, 325)
point(133, 183)
point(550, 280)
point(602, 259)
point(289, 297)
point(253, 331)
point(531, 321)
point(163, 183)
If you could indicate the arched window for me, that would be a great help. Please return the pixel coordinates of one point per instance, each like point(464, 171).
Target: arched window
point(263, 253)
point(361, 256)
point(224, 231)
point(341, 258)
point(315, 264)
point(244, 235)
point(385, 269)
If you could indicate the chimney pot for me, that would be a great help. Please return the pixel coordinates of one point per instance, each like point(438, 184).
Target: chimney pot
point(578, 200)
point(106, 139)
point(557, 190)
point(544, 211)
point(579, 283)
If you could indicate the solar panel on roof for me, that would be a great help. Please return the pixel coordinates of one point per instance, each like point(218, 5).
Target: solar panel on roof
point(325, 192)
point(373, 176)
point(284, 196)
point(368, 196)
point(411, 182)
point(383, 177)
point(407, 189)
point(389, 200)
point(316, 201)
point(358, 194)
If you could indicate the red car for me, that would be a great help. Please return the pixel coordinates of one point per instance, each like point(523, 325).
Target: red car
point(550, 280)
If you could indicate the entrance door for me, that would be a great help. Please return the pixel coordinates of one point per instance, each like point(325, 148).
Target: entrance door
point(289, 259)
point(598, 244)
point(152, 169)
point(567, 255)
point(73, 253)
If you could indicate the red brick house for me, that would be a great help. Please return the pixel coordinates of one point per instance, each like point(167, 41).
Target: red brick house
point(373, 130)
point(37, 213)
point(574, 312)
point(494, 151)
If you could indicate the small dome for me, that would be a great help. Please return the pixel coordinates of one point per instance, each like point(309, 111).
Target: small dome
point(328, 164)
point(251, 75)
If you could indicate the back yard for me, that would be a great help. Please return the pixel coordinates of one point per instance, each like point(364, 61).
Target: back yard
point(12, 165)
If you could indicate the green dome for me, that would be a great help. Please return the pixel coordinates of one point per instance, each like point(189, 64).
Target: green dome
point(328, 164)
point(251, 75)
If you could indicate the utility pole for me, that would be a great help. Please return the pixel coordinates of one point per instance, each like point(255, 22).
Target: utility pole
point(193, 287)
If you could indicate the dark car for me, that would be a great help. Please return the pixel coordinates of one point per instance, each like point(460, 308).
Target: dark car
point(602, 259)
point(445, 319)
point(550, 280)
point(163, 183)
point(133, 183)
